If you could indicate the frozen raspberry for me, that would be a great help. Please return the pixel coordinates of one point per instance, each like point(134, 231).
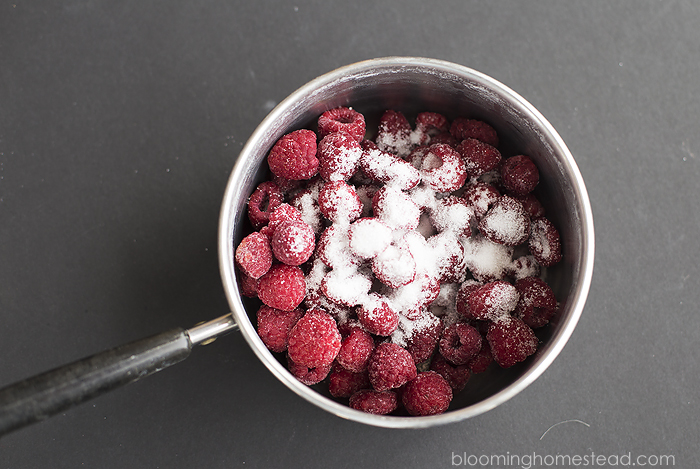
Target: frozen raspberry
point(394, 267)
point(282, 287)
point(478, 157)
point(344, 383)
point(368, 145)
point(482, 360)
point(365, 192)
point(455, 375)
point(394, 133)
point(390, 366)
point(368, 237)
point(459, 343)
point(282, 214)
point(248, 285)
point(442, 168)
point(520, 175)
point(480, 196)
point(274, 326)
point(453, 214)
point(339, 156)
point(493, 300)
point(395, 208)
point(374, 402)
point(463, 128)
point(537, 303)
point(333, 248)
point(532, 205)
point(306, 203)
point(376, 316)
point(511, 341)
point(293, 242)
point(314, 341)
point(462, 300)
point(544, 242)
point(423, 338)
point(285, 185)
point(308, 375)
point(429, 124)
point(427, 394)
point(524, 266)
point(253, 255)
point(338, 201)
point(486, 260)
point(347, 287)
point(445, 137)
point(389, 169)
point(342, 119)
point(412, 298)
point(356, 350)
point(294, 155)
point(263, 201)
point(449, 257)
point(506, 222)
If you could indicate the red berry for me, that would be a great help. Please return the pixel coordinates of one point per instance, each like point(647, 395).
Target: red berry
point(344, 383)
point(424, 336)
point(248, 285)
point(532, 205)
point(442, 168)
point(369, 237)
point(293, 242)
point(453, 214)
point(274, 326)
point(506, 222)
point(282, 287)
point(333, 248)
point(356, 350)
point(283, 214)
point(519, 175)
point(376, 316)
point(524, 266)
point(455, 375)
point(537, 302)
point(493, 300)
point(480, 196)
point(339, 156)
point(449, 257)
point(253, 255)
point(374, 402)
point(391, 366)
point(462, 301)
point(338, 201)
point(463, 128)
point(389, 169)
point(294, 155)
point(511, 341)
point(342, 119)
point(307, 375)
point(314, 341)
point(395, 208)
point(459, 343)
point(478, 157)
point(263, 201)
point(482, 360)
point(394, 133)
point(486, 260)
point(544, 242)
point(394, 266)
point(427, 394)
point(429, 124)
point(446, 138)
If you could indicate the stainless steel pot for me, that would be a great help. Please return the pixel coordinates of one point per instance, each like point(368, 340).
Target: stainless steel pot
point(408, 84)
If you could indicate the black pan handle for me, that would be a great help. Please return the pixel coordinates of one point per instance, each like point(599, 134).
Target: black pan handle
point(42, 396)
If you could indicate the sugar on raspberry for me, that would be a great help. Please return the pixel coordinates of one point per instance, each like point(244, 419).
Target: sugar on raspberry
point(293, 242)
point(254, 255)
point(342, 119)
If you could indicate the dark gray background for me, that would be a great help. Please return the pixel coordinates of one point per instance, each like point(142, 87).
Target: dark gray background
point(119, 125)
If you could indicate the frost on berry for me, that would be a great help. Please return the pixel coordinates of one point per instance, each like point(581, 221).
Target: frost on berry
point(390, 366)
point(282, 287)
point(519, 175)
point(282, 214)
point(294, 155)
point(342, 119)
point(388, 168)
point(377, 316)
point(427, 394)
point(339, 156)
point(374, 402)
point(420, 335)
point(480, 196)
point(410, 299)
point(394, 266)
point(428, 125)
point(253, 255)
point(544, 242)
point(506, 222)
point(453, 214)
point(333, 248)
point(274, 326)
point(306, 202)
point(395, 208)
point(442, 168)
point(463, 128)
point(478, 157)
point(524, 266)
point(314, 341)
point(486, 260)
point(293, 242)
point(448, 253)
point(347, 287)
point(537, 302)
point(511, 341)
point(339, 202)
point(263, 201)
point(394, 133)
point(368, 237)
point(493, 300)
point(459, 343)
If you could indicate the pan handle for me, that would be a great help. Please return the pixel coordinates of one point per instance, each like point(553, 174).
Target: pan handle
point(47, 394)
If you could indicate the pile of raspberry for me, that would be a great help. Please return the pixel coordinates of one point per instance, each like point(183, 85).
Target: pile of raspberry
point(393, 267)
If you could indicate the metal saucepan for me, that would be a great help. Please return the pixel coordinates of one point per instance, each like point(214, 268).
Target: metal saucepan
point(407, 84)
